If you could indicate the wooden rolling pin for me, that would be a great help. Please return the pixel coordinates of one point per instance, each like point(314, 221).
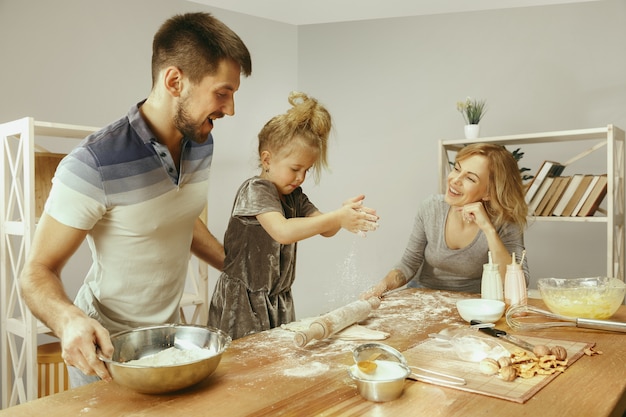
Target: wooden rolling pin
point(336, 320)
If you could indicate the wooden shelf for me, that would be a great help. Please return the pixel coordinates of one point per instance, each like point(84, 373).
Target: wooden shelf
point(592, 219)
point(534, 138)
point(61, 130)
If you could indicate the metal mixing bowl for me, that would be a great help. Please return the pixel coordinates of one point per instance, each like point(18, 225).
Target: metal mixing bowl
point(145, 341)
point(590, 298)
point(379, 387)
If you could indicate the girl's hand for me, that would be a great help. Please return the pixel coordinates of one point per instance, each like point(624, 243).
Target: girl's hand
point(356, 218)
point(354, 201)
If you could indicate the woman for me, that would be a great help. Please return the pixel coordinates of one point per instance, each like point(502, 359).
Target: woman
point(483, 210)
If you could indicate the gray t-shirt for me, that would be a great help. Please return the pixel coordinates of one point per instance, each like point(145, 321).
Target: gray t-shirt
point(429, 261)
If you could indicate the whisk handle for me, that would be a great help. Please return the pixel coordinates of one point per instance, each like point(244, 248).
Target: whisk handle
point(613, 326)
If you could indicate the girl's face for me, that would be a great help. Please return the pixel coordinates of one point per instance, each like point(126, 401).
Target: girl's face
point(288, 168)
point(468, 182)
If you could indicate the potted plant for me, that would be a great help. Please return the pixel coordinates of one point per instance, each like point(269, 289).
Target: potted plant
point(473, 111)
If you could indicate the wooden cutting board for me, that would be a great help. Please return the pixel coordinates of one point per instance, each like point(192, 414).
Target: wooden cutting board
point(433, 355)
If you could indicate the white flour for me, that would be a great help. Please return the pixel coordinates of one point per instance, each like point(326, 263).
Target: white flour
point(412, 315)
point(281, 357)
point(342, 290)
point(172, 356)
point(398, 314)
point(307, 370)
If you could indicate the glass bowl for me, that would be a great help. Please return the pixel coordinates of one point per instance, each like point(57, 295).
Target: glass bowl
point(589, 298)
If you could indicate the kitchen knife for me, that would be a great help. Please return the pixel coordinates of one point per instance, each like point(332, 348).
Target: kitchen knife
point(492, 331)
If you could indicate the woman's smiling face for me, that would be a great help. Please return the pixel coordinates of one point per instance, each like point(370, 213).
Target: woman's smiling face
point(468, 182)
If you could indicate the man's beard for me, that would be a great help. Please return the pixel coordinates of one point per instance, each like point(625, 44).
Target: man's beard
point(186, 126)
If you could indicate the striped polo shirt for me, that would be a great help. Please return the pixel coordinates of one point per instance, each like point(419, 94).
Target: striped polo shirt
point(122, 186)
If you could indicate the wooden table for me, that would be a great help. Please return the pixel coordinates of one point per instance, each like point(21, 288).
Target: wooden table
point(266, 375)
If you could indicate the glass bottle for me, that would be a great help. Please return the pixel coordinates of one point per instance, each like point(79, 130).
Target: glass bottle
point(491, 283)
point(515, 284)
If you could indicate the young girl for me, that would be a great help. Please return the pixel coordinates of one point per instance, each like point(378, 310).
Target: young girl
point(271, 214)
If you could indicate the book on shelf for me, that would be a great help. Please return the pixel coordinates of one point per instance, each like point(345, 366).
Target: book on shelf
point(546, 170)
point(555, 196)
point(583, 198)
point(595, 197)
point(538, 197)
point(554, 183)
point(568, 193)
point(576, 197)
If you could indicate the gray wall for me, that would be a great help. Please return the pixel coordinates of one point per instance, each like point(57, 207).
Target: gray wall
point(391, 85)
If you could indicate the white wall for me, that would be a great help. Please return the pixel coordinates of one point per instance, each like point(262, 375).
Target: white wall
point(391, 86)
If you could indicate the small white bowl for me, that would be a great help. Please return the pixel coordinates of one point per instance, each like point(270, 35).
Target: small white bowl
point(485, 310)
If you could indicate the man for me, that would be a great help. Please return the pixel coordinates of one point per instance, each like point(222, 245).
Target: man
point(135, 190)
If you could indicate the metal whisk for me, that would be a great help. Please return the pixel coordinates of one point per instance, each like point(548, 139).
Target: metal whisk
point(525, 317)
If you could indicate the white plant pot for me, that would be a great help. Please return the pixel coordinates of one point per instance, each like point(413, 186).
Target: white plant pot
point(472, 131)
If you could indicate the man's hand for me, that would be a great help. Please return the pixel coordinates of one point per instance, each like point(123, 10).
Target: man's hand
point(79, 340)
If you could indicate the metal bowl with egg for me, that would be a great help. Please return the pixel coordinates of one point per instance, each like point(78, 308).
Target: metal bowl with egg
point(590, 298)
point(386, 385)
point(201, 350)
point(380, 372)
point(385, 382)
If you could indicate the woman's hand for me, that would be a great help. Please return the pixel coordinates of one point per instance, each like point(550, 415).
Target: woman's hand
point(394, 279)
point(476, 213)
point(375, 291)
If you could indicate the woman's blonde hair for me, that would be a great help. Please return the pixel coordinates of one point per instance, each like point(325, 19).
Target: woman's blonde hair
point(306, 121)
point(507, 203)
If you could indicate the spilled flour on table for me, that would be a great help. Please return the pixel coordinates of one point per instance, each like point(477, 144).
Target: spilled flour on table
point(307, 370)
point(275, 354)
point(413, 315)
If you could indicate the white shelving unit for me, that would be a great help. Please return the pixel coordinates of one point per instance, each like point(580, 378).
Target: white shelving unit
point(19, 209)
point(609, 139)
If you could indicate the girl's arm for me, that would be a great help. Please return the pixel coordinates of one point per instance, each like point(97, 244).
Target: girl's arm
point(358, 199)
point(352, 216)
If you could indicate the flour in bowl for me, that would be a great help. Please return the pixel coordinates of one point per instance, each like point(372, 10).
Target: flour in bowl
point(172, 356)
